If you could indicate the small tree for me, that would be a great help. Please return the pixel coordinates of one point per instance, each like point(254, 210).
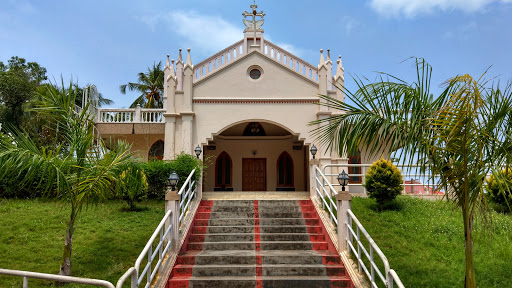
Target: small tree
point(383, 181)
point(500, 193)
point(133, 185)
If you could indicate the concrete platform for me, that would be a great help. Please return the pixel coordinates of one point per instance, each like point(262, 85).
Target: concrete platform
point(256, 195)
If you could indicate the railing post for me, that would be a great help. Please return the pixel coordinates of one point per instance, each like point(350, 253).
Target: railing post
point(199, 186)
point(312, 177)
point(172, 202)
point(343, 201)
point(137, 114)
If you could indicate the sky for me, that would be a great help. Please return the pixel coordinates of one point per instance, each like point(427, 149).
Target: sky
point(107, 43)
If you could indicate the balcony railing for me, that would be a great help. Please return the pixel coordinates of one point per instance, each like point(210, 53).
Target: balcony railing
point(132, 115)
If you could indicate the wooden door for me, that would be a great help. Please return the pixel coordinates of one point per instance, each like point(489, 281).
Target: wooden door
point(254, 174)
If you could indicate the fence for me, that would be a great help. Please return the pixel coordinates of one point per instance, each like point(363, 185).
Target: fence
point(417, 179)
point(135, 115)
point(53, 277)
point(350, 239)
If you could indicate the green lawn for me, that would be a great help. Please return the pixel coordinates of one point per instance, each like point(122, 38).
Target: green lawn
point(107, 240)
point(424, 243)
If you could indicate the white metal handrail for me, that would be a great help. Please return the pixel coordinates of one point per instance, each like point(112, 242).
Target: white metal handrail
point(421, 181)
point(394, 278)
point(326, 195)
point(325, 192)
point(54, 277)
point(187, 192)
point(160, 250)
point(369, 255)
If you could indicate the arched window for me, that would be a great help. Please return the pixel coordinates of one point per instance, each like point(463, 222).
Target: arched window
point(355, 158)
point(284, 170)
point(156, 152)
point(223, 168)
point(254, 129)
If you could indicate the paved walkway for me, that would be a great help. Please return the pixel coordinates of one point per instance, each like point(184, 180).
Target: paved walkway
point(256, 195)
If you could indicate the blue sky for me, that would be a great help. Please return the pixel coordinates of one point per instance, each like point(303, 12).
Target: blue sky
point(108, 42)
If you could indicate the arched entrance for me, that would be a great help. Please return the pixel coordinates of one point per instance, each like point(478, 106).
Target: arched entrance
point(262, 156)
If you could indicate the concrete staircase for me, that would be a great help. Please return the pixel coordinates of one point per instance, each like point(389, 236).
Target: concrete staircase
point(258, 243)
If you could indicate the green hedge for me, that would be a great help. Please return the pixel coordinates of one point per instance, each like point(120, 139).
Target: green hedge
point(157, 173)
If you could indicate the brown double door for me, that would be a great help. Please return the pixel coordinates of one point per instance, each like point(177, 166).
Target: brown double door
point(254, 174)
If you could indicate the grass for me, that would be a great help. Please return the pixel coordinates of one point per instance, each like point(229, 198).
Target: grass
point(424, 242)
point(107, 241)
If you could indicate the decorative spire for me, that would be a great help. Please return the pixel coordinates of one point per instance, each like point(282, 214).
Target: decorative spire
point(172, 68)
point(167, 65)
point(339, 69)
point(329, 55)
point(189, 59)
point(322, 60)
point(180, 59)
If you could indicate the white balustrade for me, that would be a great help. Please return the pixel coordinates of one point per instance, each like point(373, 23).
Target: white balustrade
point(290, 61)
point(218, 60)
point(135, 115)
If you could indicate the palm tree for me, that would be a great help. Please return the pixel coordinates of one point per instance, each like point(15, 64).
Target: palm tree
point(462, 135)
point(67, 170)
point(151, 87)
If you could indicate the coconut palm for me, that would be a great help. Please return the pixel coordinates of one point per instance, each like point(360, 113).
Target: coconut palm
point(462, 135)
point(68, 170)
point(151, 87)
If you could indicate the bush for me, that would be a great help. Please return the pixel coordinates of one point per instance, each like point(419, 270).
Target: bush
point(383, 182)
point(500, 193)
point(133, 185)
point(158, 172)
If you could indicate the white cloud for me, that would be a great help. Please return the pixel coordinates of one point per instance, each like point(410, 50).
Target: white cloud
point(203, 32)
point(411, 8)
point(23, 6)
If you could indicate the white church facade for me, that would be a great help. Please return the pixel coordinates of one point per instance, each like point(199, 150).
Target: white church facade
point(247, 107)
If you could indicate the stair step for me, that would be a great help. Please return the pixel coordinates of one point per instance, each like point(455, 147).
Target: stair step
point(233, 237)
point(268, 281)
point(265, 245)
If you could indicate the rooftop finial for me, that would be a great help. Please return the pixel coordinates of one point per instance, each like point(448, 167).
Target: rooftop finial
point(189, 59)
point(172, 67)
point(322, 60)
point(329, 55)
point(253, 25)
point(179, 57)
point(167, 65)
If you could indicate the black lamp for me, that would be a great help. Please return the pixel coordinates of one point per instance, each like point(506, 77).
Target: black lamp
point(343, 179)
point(173, 180)
point(313, 150)
point(198, 151)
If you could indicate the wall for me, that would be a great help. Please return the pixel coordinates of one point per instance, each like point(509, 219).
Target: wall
point(269, 149)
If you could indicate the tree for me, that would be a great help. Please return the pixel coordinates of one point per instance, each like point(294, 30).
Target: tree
point(18, 81)
point(69, 171)
point(463, 134)
point(151, 85)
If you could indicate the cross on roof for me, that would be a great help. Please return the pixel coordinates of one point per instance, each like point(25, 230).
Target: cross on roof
point(254, 25)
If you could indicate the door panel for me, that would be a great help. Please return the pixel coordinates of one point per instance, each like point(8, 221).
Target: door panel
point(254, 174)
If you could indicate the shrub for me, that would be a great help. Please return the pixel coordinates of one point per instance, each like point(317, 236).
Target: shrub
point(158, 172)
point(500, 193)
point(133, 185)
point(383, 182)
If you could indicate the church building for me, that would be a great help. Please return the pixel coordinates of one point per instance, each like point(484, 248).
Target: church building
point(246, 107)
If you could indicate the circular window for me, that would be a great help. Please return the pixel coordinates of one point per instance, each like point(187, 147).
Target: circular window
point(255, 74)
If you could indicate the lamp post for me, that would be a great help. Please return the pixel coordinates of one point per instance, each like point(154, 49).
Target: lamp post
point(173, 180)
point(198, 151)
point(313, 150)
point(343, 179)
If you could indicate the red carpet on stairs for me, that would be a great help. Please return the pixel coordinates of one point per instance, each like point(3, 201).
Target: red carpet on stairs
point(258, 243)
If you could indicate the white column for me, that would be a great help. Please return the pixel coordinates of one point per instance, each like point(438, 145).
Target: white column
point(170, 129)
point(172, 202)
point(343, 201)
point(186, 128)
